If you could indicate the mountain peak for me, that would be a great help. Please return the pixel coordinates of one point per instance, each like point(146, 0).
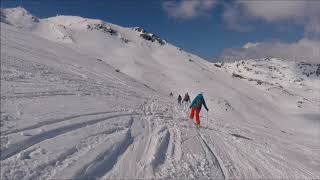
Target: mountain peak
point(18, 17)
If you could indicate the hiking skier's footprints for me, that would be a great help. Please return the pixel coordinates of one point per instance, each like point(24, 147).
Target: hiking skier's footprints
point(202, 165)
point(161, 146)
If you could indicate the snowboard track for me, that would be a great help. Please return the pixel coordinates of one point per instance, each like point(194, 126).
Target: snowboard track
point(20, 146)
point(105, 161)
point(31, 95)
point(73, 152)
point(54, 121)
point(215, 159)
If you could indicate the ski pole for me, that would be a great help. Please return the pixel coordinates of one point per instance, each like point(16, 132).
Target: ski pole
point(207, 119)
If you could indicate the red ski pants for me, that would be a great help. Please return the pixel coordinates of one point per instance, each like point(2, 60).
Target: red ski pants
point(197, 111)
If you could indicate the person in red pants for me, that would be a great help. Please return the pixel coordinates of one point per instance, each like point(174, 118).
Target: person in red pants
point(195, 107)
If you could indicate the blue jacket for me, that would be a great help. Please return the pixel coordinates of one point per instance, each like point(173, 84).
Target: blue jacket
point(198, 102)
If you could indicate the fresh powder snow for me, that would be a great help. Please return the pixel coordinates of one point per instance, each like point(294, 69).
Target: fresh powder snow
point(86, 99)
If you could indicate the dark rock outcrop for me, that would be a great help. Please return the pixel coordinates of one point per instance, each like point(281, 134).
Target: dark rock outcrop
point(103, 27)
point(309, 69)
point(149, 36)
point(238, 76)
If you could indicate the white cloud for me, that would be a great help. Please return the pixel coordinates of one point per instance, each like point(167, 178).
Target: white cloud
point(305, 13)
point(250, 45)
point(272, 11)
point(312, 28)
point(241, 16)
point(302, 13)
point(304, 50)
point(231, 18)
point(188, 9)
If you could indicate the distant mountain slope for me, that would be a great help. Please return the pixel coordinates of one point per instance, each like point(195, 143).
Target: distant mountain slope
point(298, 79)
point(133, 51)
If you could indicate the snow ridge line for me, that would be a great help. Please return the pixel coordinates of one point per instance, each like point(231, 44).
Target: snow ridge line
point(20, 146)
point(54, 121)
point(214, 156)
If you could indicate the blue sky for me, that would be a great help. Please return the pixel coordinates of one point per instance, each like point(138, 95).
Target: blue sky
point(204, 27)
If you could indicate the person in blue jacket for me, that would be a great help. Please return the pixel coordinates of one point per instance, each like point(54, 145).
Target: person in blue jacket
point(195, 107)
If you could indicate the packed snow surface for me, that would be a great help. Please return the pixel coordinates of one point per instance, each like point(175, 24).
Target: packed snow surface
point(83, 98)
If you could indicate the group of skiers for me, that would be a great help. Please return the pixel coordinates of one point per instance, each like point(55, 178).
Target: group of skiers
point(186, 99)
point(195, 106)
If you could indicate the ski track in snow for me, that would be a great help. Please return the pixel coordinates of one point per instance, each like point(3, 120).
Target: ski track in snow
point(213, 155)
point(83, 111)
point(53, 121)
point(16, 148)
point(162, 144)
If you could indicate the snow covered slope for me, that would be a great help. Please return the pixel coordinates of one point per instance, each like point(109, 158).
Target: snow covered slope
point(83, 98)
point(298, 80)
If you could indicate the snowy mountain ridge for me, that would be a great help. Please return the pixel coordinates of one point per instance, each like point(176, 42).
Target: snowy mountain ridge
point(276, 71)
point(83, 98)
point(298, 79)
point(64, 26)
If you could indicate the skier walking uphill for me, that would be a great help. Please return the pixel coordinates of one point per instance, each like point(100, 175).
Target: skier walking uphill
point(179, 99)
point(196, 107)
point(186, 98)
point(186, 101)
